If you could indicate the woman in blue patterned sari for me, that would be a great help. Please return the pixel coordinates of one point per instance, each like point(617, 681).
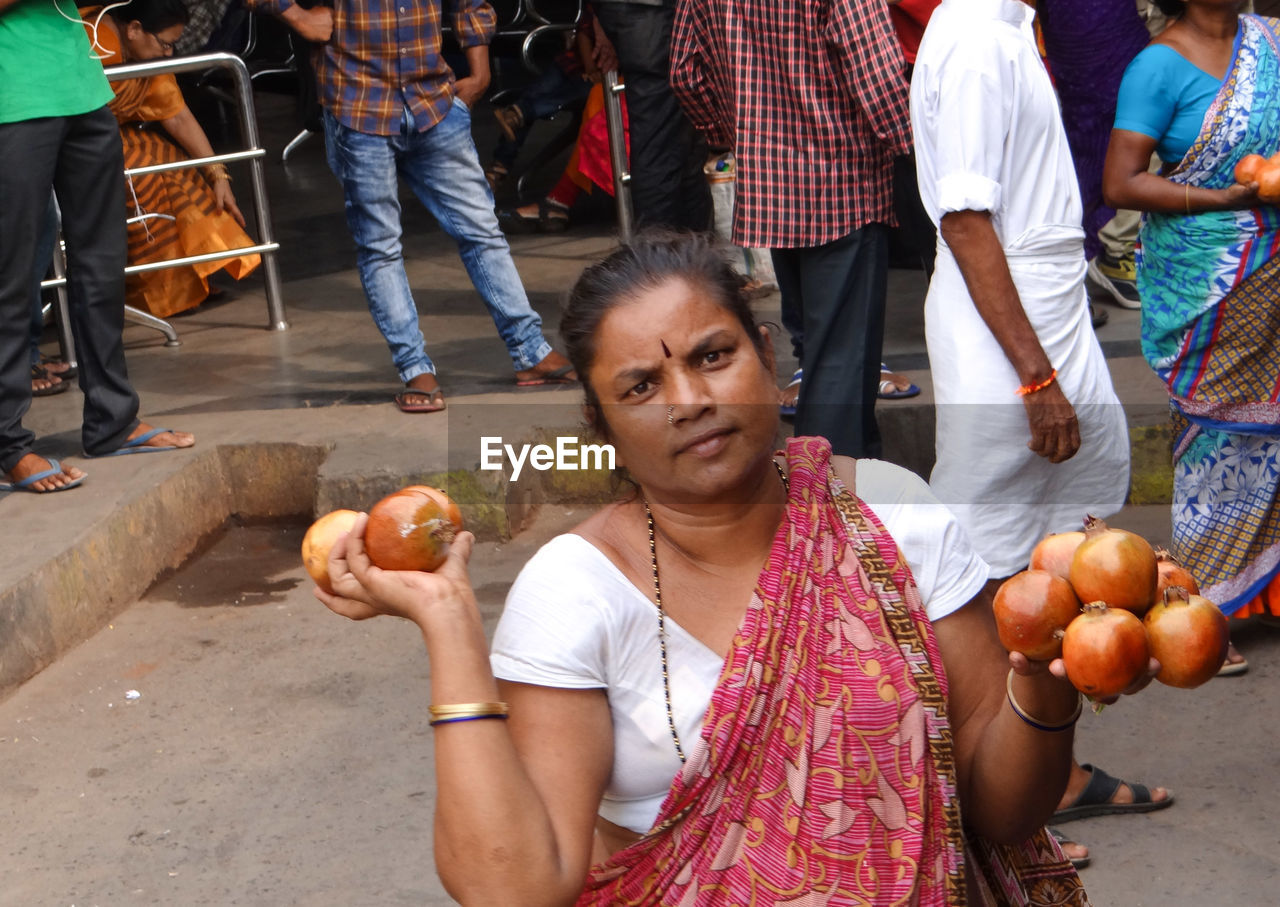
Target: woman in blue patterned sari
point(1204, 94)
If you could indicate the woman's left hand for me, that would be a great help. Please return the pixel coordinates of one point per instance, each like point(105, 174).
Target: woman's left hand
point(226, 200)
point(1058, 668)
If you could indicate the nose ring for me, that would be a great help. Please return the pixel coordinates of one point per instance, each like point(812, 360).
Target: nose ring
point(671, 418)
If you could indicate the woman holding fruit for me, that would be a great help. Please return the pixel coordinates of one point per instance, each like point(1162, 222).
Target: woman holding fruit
point(1205, 96)
point(760, 676)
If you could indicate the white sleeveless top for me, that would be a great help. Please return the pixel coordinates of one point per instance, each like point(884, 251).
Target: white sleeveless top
point(573, 620)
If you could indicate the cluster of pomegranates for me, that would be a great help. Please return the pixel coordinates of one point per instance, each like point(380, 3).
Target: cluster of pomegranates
point(410, 529)
point(1265, 171)
point(1139, 602)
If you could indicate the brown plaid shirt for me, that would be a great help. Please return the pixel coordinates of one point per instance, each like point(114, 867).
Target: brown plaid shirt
point(384, 56)
point(813, 98)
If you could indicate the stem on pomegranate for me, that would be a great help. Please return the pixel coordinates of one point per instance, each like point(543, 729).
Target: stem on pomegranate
point(1094, 526)
point(1176, 594)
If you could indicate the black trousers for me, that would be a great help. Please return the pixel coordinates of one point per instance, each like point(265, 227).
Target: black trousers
point(80, 159)
point(840, 291)
point(668, 187)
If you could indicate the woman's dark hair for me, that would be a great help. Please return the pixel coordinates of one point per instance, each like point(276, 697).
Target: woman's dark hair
point(649, 260)
point(1172, 8)
point(153, 15)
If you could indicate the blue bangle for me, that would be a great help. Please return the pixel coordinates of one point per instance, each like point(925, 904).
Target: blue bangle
point(464, 718)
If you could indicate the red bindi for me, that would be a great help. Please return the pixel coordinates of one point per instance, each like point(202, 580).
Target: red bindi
point(666, 352)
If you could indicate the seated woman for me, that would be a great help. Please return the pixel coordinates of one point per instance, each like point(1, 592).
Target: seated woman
point(589, 165)
point(760, 675)
point(197, 214)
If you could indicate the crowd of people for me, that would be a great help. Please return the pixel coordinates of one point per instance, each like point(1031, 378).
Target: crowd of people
point(764, 674)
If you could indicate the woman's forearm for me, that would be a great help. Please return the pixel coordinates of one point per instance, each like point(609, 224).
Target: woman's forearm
point(1150, 192)
point(495, 839)
point(1018, 773)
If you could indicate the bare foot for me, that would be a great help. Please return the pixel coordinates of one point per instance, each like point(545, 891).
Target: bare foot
point(554, 369)
point(422, 394)
point(164, 439)
point(1124, 793)
point(789, 396)
point(1073, 850)
point(43, 380)
point(32, 464)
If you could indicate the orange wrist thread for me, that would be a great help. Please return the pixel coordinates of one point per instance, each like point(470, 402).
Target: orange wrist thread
point(1032, 388)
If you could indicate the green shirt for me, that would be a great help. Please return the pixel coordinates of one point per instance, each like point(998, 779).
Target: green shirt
point(46, 66)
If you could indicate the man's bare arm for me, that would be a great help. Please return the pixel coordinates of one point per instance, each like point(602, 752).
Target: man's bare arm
point(1055, 434)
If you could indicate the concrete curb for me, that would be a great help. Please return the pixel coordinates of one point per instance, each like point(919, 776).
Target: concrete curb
point(62, 601)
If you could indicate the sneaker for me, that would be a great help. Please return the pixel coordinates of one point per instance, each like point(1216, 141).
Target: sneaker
point(509, 120)
point(1118, 278)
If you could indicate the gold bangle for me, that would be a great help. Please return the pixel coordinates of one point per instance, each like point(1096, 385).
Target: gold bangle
point(1036, 723)
point(468, 710)
point(1186, 197)
point(215, 172)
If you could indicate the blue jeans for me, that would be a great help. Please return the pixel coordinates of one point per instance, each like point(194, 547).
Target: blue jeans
point(443, 170)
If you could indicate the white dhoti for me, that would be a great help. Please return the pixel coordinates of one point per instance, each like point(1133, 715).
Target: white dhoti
point(1006, 497)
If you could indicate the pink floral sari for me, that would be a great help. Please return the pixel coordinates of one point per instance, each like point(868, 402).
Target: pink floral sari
point(824, 774)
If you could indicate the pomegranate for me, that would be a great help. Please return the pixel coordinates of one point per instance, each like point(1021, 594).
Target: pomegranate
point(408, 530)
point(1171, 573)
point(1114, 566)
point(319, 540)
point(1189, 636)
point(1248, 168)
point(1104, 650)
point(1032, 611)
point(1053, 552)
point(451, 511)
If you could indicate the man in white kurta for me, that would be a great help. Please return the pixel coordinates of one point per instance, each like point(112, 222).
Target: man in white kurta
point(1007, 304)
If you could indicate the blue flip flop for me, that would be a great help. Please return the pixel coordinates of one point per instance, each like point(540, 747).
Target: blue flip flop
point(136, 445)
point(892, 391)
point(796, 378)
point(26, 484)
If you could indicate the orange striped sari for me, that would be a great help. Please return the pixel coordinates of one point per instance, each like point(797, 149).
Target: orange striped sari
point(198, 227)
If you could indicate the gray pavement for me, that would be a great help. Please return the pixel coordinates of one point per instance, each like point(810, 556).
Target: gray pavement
point(278, 754)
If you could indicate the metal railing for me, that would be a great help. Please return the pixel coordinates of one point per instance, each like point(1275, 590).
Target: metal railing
point(613, 90)
point(253, 154)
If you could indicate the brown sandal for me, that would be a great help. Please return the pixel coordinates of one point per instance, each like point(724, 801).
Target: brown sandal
point(435, 400)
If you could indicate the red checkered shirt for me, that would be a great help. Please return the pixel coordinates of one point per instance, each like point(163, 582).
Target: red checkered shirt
point(813, 98)
point(385, 55)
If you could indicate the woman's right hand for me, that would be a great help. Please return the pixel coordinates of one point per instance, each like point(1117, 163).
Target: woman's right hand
point(363, 590)
point(1241, 196)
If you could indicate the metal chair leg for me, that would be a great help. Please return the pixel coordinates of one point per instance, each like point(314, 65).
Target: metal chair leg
point(62, 314)
point(146, 319)
point(295, 142)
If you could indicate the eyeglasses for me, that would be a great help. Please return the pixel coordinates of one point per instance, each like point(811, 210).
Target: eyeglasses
point(166, 46)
